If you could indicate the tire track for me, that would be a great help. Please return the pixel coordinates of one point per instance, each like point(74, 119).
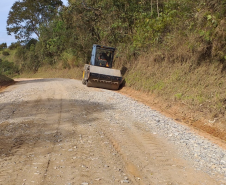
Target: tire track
point(144, 154)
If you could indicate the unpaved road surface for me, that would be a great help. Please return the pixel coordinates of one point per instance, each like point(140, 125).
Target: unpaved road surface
point(57, 131)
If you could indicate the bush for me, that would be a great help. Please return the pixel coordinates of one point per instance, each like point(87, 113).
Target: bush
point(8, 68)
point(30, 43)
point(3, 46)
point(5, 53)
point(14, 45)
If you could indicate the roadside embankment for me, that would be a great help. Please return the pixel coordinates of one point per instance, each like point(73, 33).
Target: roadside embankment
point(49, 72)
point(186, 91)
point(5, 81)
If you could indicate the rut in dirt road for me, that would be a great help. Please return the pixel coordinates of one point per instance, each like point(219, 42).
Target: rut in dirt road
point(56, 131)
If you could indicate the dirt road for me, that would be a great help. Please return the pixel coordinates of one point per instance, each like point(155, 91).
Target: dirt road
point(55, 131)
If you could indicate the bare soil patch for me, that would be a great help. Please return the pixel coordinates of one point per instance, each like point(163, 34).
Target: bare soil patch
point(4, 85)
point(5, 82)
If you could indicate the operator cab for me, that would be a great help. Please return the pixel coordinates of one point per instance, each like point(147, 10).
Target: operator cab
point(102, 56)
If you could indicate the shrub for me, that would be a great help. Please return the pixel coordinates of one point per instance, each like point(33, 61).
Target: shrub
point(3, 46)
point(30, 43)
point(5, 53)
point(8, 68)
point(14, 45)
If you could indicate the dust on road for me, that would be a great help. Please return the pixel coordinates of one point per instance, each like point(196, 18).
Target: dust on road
point(52, 132)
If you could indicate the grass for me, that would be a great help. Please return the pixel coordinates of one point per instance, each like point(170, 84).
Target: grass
point(201, 87)
point(10, 57)
point(48, 72)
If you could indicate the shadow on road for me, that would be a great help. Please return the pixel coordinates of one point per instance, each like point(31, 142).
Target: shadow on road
point(41, 121)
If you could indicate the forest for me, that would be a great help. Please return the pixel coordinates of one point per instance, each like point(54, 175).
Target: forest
point(195, 29)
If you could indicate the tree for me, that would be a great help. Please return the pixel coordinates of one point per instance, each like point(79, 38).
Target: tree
point(14, 45)
point(26, 16)
point(3, 46)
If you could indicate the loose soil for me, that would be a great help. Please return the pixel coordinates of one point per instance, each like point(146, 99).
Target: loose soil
point(50, 137)
point(4, 85)
point(5, 82)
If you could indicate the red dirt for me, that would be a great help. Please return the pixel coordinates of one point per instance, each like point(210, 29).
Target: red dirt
point(4, 85)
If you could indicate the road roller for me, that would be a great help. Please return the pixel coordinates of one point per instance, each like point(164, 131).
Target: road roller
point(99, 72)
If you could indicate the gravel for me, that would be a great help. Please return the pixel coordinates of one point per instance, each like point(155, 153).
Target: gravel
point(204, 154)
point(201, 152)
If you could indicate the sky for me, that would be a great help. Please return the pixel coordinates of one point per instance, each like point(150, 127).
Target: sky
point(5, 6)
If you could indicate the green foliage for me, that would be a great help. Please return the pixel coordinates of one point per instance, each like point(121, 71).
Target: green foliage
point(14, 45)
point(3, 46)
point(27, 56)
point(26, 16)
point(133, 26)
point(21, 53)
point(30, 43)
point(153, 29)
point(8, 68)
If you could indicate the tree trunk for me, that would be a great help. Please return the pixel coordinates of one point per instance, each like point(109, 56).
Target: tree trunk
point(157, 7)
point(151, 8)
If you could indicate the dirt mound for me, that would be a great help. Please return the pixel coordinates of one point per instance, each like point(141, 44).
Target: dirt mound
point(5, 82)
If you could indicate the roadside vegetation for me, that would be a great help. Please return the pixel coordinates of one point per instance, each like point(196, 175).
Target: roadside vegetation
point(175, 49)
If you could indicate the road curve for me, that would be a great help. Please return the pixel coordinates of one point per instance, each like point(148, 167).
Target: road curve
point(57, 131)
